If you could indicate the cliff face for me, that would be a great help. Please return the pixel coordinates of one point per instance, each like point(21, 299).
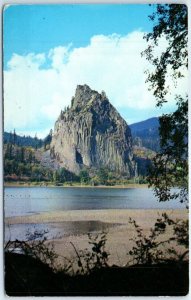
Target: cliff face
point(92, 134)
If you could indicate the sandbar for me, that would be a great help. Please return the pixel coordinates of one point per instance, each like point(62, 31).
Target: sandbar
point(119, 237)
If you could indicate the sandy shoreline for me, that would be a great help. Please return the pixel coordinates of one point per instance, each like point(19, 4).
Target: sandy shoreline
point(117, 186)
point(118, 237)
point(145, 217)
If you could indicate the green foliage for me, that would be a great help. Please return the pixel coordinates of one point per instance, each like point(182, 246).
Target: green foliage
point(154, 248)
point(180, 230)
point(55, 177)
point(98, 257)
point(25, 141)
point(84, 176)
point(171, 22)
point(20, 163)
point(36, 246)
point(63, 175)
point(95, 181)
point(170, 166)
point(93, 259)
point(103, 175)
point(20, 154)
point(85, 261)
point(143, 165)
point(47, 140)
point(157, 246)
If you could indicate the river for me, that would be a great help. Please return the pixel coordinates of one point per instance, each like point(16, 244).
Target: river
point(19, 201)
point(25, 201)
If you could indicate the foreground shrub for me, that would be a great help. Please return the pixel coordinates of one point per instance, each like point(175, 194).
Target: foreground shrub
point(88, 260)
point(155, 247)
point(36, 246)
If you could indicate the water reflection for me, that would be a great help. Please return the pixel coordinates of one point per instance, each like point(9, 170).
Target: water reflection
point(23, 201)
point(56, 230)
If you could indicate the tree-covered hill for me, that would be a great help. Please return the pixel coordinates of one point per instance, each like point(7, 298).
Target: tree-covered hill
point(16, 139)
point(146, 134)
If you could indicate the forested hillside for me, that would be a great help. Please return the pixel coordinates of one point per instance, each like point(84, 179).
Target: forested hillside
point(16, 139)
point(24, 158)
point(146, 134)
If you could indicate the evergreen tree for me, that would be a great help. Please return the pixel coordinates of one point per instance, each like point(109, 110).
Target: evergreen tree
point(22, 154)
point(84, 176)
point(103, 175)
point(14, 137)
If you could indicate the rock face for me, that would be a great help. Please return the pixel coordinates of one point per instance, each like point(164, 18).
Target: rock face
point(92, 134)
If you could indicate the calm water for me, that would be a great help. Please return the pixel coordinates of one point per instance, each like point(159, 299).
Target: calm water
point(20, 201)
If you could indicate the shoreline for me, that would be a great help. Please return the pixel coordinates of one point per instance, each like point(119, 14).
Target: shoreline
point(119, 238)
point(146, 216)
point(117, 186)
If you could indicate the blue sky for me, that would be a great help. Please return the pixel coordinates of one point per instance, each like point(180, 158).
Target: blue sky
point(49, 49)
point(37, 28)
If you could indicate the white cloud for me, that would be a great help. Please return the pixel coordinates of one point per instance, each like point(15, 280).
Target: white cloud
point(59, 56)
point(34, 95)
point(30, 61)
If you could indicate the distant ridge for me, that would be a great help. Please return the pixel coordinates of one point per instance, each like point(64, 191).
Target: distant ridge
point(146, 134)
point(146, 124)
point(25, 141)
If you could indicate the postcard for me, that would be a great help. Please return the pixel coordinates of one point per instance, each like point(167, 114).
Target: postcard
point(95, 149)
